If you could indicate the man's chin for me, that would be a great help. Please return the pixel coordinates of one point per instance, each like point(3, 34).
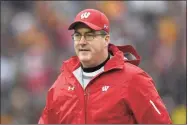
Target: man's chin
point(84, 58)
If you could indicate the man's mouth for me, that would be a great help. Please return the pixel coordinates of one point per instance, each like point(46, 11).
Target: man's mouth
point(83, 49)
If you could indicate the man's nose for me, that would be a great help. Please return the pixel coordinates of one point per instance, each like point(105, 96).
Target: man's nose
point(82, 40)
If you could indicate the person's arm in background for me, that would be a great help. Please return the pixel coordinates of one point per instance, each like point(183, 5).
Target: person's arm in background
point(145, 101)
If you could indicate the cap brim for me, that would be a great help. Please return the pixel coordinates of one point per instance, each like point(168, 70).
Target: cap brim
point(94, 27)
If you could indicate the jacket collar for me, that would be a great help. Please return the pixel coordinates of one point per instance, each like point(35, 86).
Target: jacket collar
point(116, 62)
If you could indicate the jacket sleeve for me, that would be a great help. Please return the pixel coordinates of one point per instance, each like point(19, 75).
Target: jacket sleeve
point(145, 101)
point(44, 117)
point(48, 115)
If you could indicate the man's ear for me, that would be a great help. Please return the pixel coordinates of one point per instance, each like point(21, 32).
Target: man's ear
point(107, 39)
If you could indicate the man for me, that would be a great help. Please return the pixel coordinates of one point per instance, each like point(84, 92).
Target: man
point(100, 85)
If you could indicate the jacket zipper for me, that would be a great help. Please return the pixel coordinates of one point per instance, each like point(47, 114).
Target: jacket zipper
point(86, 95)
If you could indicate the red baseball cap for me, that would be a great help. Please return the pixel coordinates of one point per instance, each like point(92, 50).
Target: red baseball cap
point(94, 19)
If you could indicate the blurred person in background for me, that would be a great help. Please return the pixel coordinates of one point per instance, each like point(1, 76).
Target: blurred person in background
point(100, 84)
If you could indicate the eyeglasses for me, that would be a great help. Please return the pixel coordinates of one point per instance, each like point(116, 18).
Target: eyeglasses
point(88, 37)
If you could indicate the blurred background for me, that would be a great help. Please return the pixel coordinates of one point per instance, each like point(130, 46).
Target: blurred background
point(35, 41)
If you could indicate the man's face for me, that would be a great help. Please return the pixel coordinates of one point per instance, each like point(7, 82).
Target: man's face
point(89, 49)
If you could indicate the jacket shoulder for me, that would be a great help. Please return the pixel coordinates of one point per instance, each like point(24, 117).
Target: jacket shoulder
point(61, 79)
point(53, 91)
point(136, 75)
point(131, 69)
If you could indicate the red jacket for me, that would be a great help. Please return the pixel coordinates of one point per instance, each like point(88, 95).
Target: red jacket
point(123, 93)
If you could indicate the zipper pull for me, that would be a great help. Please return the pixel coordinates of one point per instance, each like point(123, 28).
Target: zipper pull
point(86, 92)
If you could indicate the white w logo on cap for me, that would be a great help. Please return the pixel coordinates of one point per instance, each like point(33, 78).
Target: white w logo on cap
point(85, 15)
